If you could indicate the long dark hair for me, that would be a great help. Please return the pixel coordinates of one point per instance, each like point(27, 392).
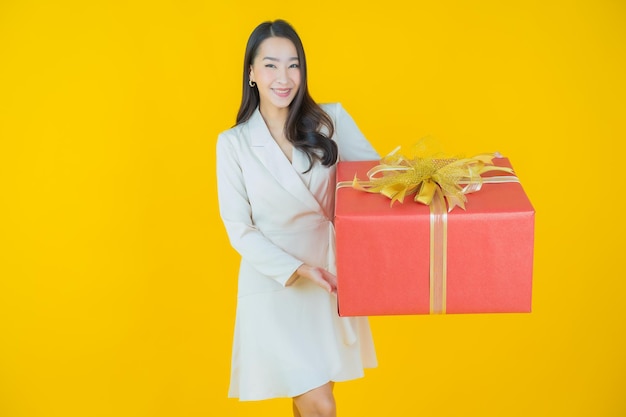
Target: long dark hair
point(306, 117)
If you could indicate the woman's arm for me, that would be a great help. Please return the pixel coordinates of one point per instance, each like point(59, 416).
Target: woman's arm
point(353, 146)
point(236, 213)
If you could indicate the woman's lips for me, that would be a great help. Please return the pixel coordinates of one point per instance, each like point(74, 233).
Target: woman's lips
point(282, 92)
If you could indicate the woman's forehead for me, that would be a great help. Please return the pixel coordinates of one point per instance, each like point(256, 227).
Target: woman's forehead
point(277, 47)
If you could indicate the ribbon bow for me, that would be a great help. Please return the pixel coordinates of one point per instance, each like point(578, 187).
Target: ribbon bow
point(398, 176)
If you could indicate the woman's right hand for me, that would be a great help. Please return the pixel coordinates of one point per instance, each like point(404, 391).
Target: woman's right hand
point(319, 276)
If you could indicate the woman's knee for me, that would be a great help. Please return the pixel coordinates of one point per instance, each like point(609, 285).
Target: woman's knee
point(319, 402)
point(318, 408)
point(326, 407)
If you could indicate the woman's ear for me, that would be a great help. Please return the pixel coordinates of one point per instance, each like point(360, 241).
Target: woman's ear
point(251, 74)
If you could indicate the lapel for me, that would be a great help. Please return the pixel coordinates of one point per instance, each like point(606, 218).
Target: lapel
point(274, 160)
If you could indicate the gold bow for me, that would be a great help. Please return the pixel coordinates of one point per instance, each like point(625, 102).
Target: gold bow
point(398, 176)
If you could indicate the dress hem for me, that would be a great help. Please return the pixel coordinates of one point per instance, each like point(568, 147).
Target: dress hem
point(299, 391)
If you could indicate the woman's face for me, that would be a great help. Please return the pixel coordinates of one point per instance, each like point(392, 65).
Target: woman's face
point(276, 72)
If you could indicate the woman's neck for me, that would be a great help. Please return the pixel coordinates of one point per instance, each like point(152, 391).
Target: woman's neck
point(274, 118)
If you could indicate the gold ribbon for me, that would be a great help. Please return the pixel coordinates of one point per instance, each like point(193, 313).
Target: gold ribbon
point(434, 181)
point(397, 177)
point(438, 253)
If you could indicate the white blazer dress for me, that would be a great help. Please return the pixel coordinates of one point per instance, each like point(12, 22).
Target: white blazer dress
point(288, 339)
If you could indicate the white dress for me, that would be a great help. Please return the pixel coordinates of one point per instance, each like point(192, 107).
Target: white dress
point(288, 339)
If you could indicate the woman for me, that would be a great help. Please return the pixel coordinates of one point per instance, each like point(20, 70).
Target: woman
point(276, 188)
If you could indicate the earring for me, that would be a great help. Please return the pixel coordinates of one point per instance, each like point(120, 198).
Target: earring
point(251, 83)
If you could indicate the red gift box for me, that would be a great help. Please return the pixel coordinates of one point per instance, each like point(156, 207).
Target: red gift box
point(383, 252)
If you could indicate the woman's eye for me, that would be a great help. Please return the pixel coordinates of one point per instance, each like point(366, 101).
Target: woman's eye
point(270, 66)
point(294, 66)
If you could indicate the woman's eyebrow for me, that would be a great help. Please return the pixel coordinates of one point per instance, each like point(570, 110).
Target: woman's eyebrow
point(270, 58)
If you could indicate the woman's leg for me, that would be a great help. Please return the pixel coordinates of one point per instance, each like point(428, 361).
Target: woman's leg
point(296, 412)
point(318, 402)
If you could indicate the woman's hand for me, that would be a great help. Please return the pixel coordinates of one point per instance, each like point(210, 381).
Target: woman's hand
point(319, 276)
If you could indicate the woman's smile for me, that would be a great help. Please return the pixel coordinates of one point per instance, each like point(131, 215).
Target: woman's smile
point(282, 92)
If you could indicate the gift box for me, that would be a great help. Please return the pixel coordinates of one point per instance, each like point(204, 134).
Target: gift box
point(385, 253)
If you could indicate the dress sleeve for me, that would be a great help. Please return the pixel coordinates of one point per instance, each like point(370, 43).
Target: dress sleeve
point(236, 213)
point(353, 146)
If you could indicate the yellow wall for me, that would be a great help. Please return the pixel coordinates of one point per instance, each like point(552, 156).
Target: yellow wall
point(117, 284)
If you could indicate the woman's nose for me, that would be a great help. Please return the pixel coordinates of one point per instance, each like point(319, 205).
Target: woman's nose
point(282, 76)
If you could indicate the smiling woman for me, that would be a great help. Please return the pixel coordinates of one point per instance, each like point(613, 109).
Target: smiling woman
point(276, 72)
point(276, 183)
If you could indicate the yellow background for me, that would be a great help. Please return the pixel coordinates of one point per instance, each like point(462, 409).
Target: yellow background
point(117, 286)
